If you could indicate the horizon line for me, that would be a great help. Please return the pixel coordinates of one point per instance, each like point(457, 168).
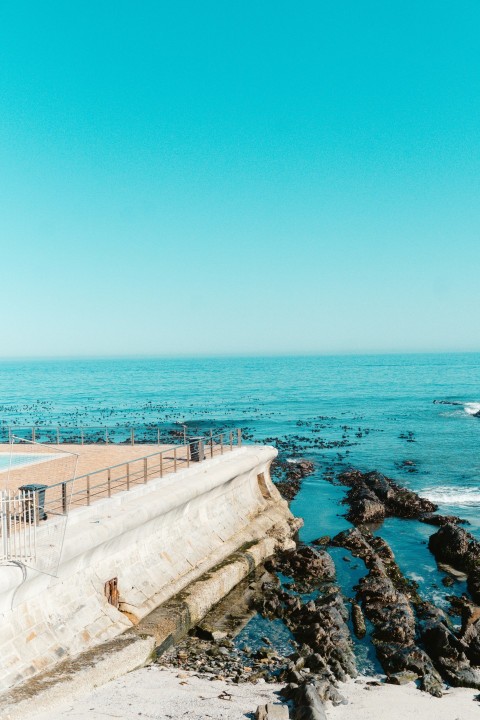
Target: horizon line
point(246, 355)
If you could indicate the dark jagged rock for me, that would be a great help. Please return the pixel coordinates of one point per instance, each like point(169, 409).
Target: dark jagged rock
point(377, 555)
point(319, 625)
point(448, 581)
point(471, 638)
point(365, 506)
point(473, 583)
point(453, 545)
point(322, 625)
point(308, 704)
point(386, 597)
point(358, 621)
point(397, 658)
point(388, 609)
point(373, 496)
point(304, 563)
point(440, 520)
point(449, 654)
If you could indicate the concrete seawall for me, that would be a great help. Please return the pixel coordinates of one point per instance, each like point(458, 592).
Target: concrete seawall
point(154, 541)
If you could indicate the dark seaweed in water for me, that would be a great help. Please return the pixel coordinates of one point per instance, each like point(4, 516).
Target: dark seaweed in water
point(288, 476)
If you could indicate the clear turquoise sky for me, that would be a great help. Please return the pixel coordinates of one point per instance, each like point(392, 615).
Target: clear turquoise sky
point(239, 177)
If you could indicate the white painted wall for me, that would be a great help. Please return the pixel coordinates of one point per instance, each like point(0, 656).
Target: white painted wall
point(156, 539)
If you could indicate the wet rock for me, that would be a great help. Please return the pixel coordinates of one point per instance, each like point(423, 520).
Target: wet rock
point(365, 506)
point(473, 583)
point(453, 545)
point(386, 597)
point(471, 638)
point(449, 653)
point(434, 519)
point(304, 563)
point(388, 609)
point(322, 625)
point(398, 659)
point(377, 555)
point(358, 621)
point(373, 496)
point(448, 581)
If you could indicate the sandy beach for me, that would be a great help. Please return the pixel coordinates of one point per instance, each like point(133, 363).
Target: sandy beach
point(156, 693)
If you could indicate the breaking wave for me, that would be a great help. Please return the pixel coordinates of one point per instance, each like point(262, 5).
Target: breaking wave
point(448, 495)
point(472, 408)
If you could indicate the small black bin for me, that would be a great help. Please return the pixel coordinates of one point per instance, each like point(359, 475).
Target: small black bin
point(39, 490)
point(197, 448)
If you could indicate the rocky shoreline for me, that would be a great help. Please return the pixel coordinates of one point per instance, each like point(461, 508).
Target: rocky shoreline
point(414, 640)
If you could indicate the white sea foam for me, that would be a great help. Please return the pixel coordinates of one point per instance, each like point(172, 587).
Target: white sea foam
point(472, 407)
point(450, 495)
point(415, 576)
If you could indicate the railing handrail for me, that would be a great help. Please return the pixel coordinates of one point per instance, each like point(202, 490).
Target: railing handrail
point(171, 447)
point(75, 434)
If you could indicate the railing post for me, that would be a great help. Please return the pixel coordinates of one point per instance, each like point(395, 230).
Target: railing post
point(188, 454)
point(58, 436)
point(88, 489)
point(106, 436)
point(221, 444)
point(64, 498)
point(145, 470)
point(81, 436)
point(158, 436)
point(211, 443)
point(161, 464)
point(175, 460)
point(128, 476)
point(231, 440)
point(35, 508)
point(132, 436)
point(33, 434)
point(109, 483)
point(239, 437)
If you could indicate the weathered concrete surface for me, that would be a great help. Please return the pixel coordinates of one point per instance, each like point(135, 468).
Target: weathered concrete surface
point(156, 539)
point(73, 678)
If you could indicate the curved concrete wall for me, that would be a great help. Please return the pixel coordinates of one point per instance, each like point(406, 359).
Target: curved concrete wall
point(155, 539)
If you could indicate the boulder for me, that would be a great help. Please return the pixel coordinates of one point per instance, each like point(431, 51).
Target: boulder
point(272, 711)
point(308, 705)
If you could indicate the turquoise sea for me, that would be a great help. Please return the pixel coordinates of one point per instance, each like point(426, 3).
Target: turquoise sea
point(369, 412)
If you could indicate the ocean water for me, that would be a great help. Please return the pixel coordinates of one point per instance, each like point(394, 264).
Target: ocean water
point(369, 412)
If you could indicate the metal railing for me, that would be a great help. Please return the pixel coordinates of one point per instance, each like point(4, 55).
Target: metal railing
point(104, 483)
point(97, 434)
